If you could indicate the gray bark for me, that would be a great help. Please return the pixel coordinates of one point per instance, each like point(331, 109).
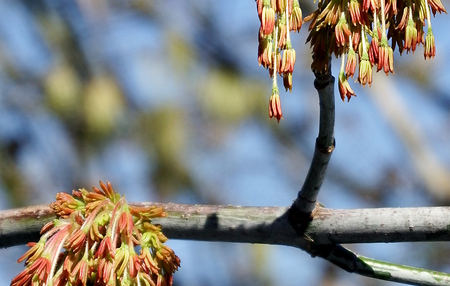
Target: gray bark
point(268, 225)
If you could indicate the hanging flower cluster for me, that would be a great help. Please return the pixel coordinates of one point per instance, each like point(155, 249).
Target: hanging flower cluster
point(100, 233)
point(275, 52)
point(358, 31)
point(361, 29)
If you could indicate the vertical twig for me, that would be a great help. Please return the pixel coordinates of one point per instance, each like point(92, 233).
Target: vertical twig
point(305, 203)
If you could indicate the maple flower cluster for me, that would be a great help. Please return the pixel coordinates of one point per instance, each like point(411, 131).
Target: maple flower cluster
point(106, 242)
point(361, 30)
point(275, 52)
point(358, 31)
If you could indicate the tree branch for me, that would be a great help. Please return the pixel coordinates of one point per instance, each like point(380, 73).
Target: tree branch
point(268, 225)
point(302, 209)
point(369, 267)
point(20, 226)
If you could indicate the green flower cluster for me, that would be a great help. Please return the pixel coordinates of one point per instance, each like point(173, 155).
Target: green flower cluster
point(99, 239)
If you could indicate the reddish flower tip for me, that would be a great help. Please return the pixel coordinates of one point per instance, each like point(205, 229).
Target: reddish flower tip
point(275, 105)
point(344, 88)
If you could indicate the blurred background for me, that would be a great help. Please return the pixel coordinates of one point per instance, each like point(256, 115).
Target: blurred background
point(166, 100)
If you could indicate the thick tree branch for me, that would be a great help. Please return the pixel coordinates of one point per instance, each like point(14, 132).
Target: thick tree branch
point(268, 225)
point(20, 226)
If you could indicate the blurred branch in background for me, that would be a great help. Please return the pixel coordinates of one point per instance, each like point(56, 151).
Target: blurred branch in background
point(433, 173)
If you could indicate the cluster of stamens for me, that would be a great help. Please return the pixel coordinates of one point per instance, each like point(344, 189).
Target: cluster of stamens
point(100, 233)
point(358, 31)
point(275, 52)
point(361, 29)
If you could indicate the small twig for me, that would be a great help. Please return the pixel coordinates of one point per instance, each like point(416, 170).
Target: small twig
point(382, 270)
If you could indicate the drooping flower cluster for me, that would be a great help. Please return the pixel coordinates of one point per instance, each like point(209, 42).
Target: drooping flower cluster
point(100, 233)
point(361, 29)
point(275, 52)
